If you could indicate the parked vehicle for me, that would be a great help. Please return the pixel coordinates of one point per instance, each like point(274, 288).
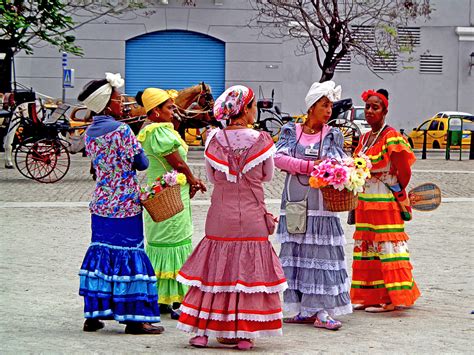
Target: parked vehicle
point(269, 117)
point(357, 116)
point(437, 128)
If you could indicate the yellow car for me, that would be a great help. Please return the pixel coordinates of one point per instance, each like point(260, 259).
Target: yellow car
point(437, 128)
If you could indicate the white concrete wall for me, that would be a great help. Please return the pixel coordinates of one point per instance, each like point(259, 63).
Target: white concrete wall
point(254, 60)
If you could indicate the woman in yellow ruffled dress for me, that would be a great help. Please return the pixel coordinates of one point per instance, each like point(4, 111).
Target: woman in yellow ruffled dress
point(168, 243)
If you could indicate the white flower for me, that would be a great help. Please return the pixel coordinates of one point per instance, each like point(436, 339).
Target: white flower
point(115, 80)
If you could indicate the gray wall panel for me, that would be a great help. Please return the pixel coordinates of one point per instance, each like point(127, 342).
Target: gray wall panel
point(414, 96)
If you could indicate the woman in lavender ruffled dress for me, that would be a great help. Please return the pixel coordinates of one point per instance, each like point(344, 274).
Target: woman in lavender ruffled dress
point(314, 260)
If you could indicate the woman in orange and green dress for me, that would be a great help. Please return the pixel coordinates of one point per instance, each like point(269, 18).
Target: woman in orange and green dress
point(381, 271)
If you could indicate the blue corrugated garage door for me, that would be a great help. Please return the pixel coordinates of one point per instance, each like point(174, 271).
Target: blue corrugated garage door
point(174, 60)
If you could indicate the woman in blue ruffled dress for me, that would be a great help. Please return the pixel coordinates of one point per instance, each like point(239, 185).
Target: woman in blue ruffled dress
point(117, 279)
point(312, 255)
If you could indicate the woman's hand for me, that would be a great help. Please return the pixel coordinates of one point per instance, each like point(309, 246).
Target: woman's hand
point(317, 162)
point(198, 185)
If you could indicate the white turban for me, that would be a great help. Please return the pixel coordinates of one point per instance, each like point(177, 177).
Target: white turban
point(318, 90)
point(97, 101)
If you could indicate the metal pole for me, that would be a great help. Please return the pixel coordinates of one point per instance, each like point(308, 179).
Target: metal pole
point(64, 63)
point(423, 152)
point(471, 147)
point(448, 144)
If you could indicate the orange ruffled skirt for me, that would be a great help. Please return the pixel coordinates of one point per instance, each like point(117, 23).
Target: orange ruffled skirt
point(381, 270)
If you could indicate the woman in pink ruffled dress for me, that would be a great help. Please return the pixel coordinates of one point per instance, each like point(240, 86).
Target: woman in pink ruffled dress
point(234, 274)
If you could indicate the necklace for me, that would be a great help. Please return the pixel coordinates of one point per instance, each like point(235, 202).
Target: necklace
point(365, 146)
point(311, 130)
point(237, 124)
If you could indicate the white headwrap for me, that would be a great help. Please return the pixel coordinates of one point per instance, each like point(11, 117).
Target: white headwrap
point(97, 101)
point(318, 90)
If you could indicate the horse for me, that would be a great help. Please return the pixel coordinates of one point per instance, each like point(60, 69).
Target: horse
point(194, 108)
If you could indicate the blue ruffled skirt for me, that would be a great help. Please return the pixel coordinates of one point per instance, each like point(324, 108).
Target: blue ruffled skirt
point(117, 279)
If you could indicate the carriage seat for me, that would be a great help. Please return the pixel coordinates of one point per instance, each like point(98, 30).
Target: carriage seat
point(58, 113)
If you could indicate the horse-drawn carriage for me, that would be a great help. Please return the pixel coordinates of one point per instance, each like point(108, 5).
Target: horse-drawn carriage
point(38, 138)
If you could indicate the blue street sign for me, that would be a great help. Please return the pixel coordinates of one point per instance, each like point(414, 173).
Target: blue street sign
point(64, 59)
point(68, 78)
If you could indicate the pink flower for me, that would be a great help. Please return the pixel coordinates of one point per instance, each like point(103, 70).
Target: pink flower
point(340, 176)
point(324, 171)
point(170, 177)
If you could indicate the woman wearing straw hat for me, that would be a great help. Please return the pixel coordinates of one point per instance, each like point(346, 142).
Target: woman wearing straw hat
point(117, 279)
point(168, 243)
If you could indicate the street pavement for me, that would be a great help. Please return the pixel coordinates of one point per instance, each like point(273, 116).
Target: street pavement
point(46, 230)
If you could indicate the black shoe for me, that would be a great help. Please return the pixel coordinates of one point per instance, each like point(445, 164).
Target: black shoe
point(92, 324)
point(143, 328)
point(175, 314)
point(8, 166)
point(165, 308)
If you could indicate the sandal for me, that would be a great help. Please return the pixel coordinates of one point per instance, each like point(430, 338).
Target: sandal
point(245, 344)
point(199, 341)
point(299, 319)
point(381, 308)
point(228, 341)
point(330, 324)
point(362, 307)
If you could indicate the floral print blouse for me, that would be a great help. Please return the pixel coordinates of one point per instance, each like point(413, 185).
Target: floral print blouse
point(116, 194)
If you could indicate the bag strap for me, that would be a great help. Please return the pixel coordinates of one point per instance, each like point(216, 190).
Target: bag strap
point(288, 199)
point(294, 156)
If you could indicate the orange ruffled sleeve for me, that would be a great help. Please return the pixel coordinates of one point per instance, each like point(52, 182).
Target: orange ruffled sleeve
point(392, 142)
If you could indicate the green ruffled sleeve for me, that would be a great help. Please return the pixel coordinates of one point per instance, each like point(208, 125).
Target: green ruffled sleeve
point(163, 141)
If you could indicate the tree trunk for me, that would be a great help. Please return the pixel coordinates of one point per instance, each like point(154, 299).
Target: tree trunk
point(5, 66)
point(327, 74)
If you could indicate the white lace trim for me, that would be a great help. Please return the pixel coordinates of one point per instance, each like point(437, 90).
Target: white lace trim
point(260, 159)
point(231, 317)
point(251, 164)
point(237, 288)
point(332, 240)
point(229, 335)
point(313, 263)
point(222, 168)
point(210, 135)
point(315, 213)
point(312, 289)
point(309, 312)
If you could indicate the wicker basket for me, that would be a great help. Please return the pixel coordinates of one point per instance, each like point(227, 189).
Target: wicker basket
point(165, 204)
point(338, 201)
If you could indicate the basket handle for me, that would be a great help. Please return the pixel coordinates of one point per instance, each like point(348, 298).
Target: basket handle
point(159, 160)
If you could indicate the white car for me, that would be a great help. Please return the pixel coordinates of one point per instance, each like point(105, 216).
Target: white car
point(357, 116)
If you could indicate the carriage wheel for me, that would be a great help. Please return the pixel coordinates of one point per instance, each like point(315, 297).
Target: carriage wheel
point(272, 126)
point(21, 153)
point(47, 160)
point(350, 131)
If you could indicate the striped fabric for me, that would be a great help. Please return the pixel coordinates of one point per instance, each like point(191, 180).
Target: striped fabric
point(382, 272)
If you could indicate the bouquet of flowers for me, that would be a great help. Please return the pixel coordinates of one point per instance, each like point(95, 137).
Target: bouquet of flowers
point(162, 199)
point(341, 181)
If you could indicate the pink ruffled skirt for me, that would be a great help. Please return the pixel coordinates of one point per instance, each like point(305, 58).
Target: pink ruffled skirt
point(234, 289)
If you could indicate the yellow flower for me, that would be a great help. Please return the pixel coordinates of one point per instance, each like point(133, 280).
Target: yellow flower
point(360, 163)
point(181, 179)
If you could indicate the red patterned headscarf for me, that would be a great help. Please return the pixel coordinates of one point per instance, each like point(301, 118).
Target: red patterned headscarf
point(232, 102)
point(366, 94)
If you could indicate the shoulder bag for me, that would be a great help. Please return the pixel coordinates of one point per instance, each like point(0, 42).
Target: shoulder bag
point(297, 211)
